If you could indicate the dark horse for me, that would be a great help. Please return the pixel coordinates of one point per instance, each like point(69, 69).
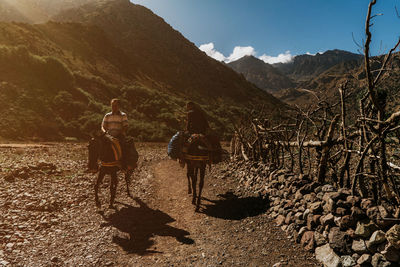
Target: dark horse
point(197, 156)
point(104, 148)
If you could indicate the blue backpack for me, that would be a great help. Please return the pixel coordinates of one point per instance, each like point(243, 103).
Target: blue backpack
point(175, 146)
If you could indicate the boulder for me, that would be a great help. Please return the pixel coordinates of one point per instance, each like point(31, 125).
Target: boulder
point(319, 239)
point(338, 240)
point(347, 261)
point(346, 222)
point(327, 256)
point(376, 259)
point(393, 236)
point(280, 220)
point(307, 241)
point(359, 246)
point(366, 203)
point(353, 200)
point(377, 237)
point(327, 219)
point(364, 259)
point(365, 228)
point(391, 253)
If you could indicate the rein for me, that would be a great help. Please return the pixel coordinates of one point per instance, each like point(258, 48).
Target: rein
point(197, 158)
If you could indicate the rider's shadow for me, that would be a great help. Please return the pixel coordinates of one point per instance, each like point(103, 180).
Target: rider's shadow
point(141, 224)
point(231, 207)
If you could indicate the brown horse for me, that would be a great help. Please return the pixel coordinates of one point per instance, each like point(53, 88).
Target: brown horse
point(196, 156)
point(104, 149)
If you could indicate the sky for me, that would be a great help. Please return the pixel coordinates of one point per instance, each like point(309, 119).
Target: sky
point(277, 30)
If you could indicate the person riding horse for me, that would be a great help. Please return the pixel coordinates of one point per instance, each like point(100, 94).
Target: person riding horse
point(196, 122)
point(115, 124)
point(196, 154)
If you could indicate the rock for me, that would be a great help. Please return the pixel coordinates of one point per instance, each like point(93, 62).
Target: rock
point(377, 237)
point(364, 259)
point(358, 214)
point(353, 200)
point(316, 207)
point(338, 240)
point(307, 240)
point(319, 239)
point(341, 211)
point(347, 261)
point(393, 236)
point(365, 228)
point(327, 219)
point(311, 197)
point(346, 222)
point(383, 212)
point(373, 213)
point(391, 253)
point(280, 220)
point(300, 234)
point(366, 203)
point(359, 246)
point(327, 256)
point(329, 206)
point(376, 259)
point(327, 188)
point(288, 219)
point(311, 224)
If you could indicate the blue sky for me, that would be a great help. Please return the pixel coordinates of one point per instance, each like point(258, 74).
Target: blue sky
point(276, 30)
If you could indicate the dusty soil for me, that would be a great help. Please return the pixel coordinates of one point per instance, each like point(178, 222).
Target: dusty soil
point(48, 216)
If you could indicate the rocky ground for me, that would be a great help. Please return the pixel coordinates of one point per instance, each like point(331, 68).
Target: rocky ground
point(48, 216)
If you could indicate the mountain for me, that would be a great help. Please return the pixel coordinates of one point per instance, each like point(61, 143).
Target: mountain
point(262, 74)
point(35, 11)
point(305, 67)
point(57, 78)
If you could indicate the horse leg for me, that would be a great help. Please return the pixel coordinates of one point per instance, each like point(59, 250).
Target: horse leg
point(113, 188)
point(201, 185)
point(188, 178)
point(128, 176)
point(100, 178)
point(194, 184)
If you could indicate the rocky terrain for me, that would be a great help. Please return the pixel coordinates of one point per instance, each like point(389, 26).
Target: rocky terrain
point(341, 229)
point(48, 216)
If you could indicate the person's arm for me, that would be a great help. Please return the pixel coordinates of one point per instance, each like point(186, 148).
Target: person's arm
point(104, 124)
point(124, 124)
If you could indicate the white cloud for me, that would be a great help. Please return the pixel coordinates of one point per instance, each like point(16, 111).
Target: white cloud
point(211, 52)
point(241, 51)
point(281, 58)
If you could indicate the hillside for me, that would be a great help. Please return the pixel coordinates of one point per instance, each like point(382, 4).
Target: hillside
point(57, 78)
point(305, 67)
point(262, 74)
point(35, 11)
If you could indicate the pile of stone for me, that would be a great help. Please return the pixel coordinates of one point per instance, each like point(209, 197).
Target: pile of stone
point(24, 172)
point(342, 229)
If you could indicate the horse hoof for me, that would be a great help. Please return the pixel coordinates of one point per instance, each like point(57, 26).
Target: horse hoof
point(193, 202)
point(189, 192)
point(98, 205)
point(197, 209)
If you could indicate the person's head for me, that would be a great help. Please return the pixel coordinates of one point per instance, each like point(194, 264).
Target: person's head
point(190, 105)
point(115, 104)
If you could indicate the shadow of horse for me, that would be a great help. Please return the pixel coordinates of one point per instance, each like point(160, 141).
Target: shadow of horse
point(231, 207)
point(141, 224)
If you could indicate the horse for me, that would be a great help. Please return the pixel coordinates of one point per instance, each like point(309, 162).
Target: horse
point(196, 155)
point(106, 149)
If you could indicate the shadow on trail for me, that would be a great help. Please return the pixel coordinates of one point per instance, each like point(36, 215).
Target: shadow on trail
point(231, 207)
point(141, 224)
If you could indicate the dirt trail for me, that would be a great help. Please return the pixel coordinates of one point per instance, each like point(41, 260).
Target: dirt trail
point(48, 216)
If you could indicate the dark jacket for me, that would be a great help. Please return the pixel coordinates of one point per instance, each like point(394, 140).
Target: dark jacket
point(196, 122)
